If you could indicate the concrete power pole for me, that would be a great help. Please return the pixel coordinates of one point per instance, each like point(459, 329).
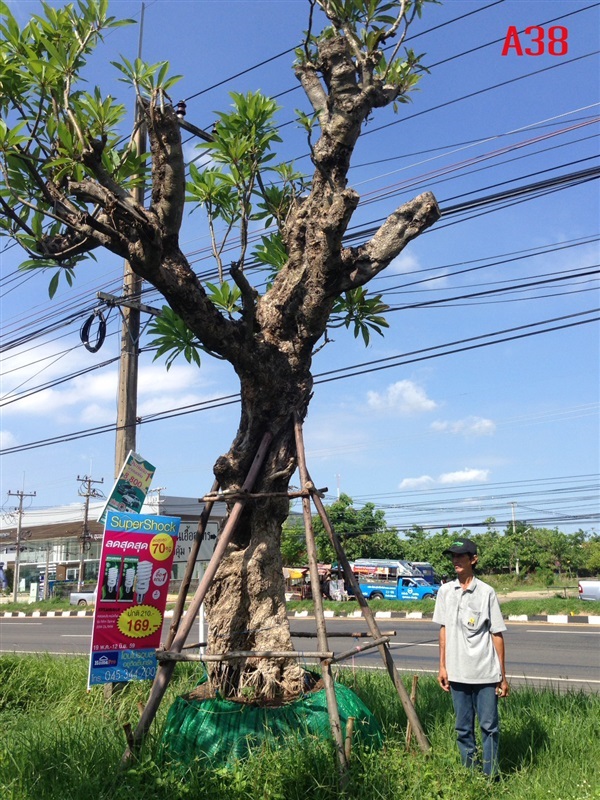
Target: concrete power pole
point(130, 335)
point(514, 530)
point(21, 495)
point(86, 491)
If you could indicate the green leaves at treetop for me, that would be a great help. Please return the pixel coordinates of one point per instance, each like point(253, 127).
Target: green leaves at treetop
point(146, 77)
point(243, 137)
point(363, 312)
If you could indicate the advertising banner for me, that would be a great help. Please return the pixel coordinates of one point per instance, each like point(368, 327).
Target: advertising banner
point(133, 583)
point(131, 486)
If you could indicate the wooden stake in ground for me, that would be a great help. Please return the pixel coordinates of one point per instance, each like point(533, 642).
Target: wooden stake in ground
point(165, 670)
point(189, 567)
point(369, 617)
point(311, 551)
point(413, 700)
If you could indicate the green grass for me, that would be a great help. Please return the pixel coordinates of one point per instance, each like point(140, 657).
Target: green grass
point(57, 741)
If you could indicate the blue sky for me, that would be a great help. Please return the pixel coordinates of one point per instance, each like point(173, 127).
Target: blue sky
point(445, 440)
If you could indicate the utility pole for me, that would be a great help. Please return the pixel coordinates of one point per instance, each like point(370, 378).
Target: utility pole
point(21, 495)
point(130, 332)
point(86, 491)
point(514, 530)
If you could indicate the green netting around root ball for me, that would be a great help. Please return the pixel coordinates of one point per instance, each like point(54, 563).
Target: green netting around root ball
point(225, 731)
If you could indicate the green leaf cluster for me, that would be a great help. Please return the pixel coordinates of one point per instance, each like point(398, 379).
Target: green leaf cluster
point(172, 338)
point(363, 313)
point(148, 79)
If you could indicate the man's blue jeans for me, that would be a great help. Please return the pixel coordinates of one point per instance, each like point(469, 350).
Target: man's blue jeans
point(469, 700)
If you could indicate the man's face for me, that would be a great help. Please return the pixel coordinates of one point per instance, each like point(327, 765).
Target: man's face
point(463, 563)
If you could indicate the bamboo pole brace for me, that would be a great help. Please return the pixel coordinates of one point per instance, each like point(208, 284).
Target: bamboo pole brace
point(369, 617)
point(189, 568)
point(338, 635)
point(348, 741)
point(164, 655)
point(359, 649)
point(165, 671)
point(237, 495)
point(413, 700)
point(311, 552)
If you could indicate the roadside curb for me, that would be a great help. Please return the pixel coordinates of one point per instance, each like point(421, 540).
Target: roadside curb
point(553, 619)
point(58, 614)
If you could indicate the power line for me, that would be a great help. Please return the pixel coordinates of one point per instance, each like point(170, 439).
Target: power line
point(319, 378)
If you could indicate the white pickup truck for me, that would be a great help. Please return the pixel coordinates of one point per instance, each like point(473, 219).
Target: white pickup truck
point(82, 598)
point(589, 590)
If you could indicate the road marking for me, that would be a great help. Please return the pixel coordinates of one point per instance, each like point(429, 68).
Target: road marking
point(580, 632)
point(553, 679)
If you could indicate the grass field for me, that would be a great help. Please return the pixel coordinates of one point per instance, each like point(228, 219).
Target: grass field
point(59, 742)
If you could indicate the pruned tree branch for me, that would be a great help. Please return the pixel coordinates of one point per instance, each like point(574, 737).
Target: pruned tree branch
point(168, 169)
point(363, 263)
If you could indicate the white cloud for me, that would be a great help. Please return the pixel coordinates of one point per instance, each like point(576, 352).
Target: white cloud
point(470, 426)
point(457, 478)
point(403, 397)
point(91, 399)
point(7, 439)
point(464, 476)
point(424, 482)
point(405, 262)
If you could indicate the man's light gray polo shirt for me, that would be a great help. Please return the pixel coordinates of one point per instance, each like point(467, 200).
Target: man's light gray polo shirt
point(470, 617)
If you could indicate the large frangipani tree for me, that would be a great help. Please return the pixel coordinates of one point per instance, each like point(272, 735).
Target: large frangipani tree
point(67, 189)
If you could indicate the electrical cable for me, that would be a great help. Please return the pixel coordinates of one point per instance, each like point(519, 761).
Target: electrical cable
point(235, 398)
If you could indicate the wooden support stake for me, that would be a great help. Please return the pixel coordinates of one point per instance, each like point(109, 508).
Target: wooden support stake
point(189, 568)
point(311, 552)
point(359, 649)
point(413, 700)
point(369, 617)
point(337, 635)
point(164, 655)
point(165, 670)
point(348, 742)
point(223, 496)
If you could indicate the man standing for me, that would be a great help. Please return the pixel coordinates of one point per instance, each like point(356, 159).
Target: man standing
point(472, 666)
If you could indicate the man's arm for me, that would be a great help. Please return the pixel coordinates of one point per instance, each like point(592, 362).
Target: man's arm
point(498, 640)
point(443, 674)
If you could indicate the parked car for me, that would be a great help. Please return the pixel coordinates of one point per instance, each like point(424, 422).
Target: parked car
point(589, 590)
point(82, 598)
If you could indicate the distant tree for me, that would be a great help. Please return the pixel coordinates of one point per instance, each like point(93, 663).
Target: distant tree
point(66, 179)
point(591, 556)
point(363, 531)
point(293, 543)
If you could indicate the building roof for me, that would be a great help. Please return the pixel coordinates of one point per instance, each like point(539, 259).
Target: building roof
point(62, 522)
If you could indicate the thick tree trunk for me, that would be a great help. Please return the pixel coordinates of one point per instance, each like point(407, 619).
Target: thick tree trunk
point(245, 606)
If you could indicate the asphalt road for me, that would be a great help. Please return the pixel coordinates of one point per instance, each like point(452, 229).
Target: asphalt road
point(563, 656)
